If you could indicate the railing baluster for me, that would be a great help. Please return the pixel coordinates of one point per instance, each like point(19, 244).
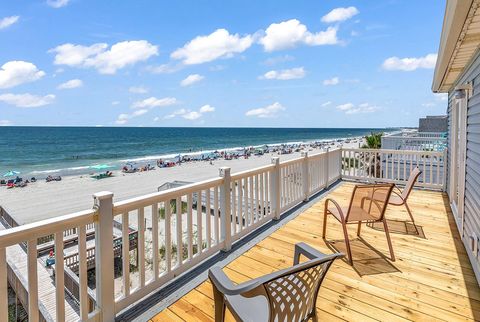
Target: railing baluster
point(82, 272)
point(189, 226)
point(215, 211)
point(125, 255)
point(59, 277)
point(3, 285)
point(208, 219)
point(179, 231)
point(241, 186)
point(155, 244)
point(262, 197)
point(141, 245)
point(245, 203)
point(252, 201)
point(234, 187)
point(431, 170)
point(257, 196)
point(33, 314)
point(199, 223)
point(168, 238)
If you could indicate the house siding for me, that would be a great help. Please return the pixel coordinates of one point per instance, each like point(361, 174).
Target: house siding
point(471, 226)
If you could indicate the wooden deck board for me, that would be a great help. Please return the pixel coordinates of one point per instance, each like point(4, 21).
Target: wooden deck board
point(431, 280)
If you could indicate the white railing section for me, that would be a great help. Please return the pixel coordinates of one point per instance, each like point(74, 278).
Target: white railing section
point(174, 230)
point(29, 234)
point(417, 143)
point(371, 165)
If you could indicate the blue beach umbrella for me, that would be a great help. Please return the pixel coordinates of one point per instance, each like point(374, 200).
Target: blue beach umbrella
point(11, 173)
point(100, 166)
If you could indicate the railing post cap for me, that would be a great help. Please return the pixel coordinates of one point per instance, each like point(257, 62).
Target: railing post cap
point(224, 171)
point(102, 195)
point(275, 160)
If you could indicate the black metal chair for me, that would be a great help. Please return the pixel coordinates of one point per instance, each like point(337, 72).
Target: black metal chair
point(287, 295)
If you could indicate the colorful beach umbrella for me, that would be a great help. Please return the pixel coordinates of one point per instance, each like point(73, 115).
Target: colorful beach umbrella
point(100, 166)
point(11, 173)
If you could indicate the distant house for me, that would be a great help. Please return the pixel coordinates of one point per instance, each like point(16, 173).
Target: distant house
point(433, 124)
point(457, 73)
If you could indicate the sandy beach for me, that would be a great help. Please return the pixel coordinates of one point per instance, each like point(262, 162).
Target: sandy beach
point(42, 200)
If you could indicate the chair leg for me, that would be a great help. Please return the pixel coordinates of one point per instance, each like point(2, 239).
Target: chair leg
point(219, 305)
point(411, 217)
point(324, 223)
point(359, 228)
point(347, 243)
point(387, 233)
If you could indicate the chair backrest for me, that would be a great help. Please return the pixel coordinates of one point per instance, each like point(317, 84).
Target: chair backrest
point(292, 295)
point(411, 182)
point(369, 202)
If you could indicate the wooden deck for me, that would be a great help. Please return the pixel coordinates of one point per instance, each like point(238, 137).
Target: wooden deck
point(431, 280)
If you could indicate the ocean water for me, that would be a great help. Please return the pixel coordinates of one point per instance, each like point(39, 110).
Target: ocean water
point(41, 151)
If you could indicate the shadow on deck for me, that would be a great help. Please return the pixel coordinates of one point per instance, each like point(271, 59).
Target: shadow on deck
point(431, 279)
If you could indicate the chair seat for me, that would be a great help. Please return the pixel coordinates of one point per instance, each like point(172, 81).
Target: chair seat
point(248, 309)
point(356, 214)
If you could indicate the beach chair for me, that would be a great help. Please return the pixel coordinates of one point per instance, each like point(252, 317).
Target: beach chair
point(367, 205)
point(287, 295)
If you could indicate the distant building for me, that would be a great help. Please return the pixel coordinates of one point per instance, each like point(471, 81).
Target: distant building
point(433, 124)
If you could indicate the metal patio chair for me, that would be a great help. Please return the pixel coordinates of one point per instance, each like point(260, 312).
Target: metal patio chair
point(367, 205)
point(287, 295)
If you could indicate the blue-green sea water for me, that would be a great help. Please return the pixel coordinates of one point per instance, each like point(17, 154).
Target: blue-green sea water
point(41, 151)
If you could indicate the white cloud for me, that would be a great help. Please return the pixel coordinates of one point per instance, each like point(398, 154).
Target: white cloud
point(164, 68)
point(18, 72)
point(207, 109)
point(410, 64)
point(73, 83)
point(191, 115)
point(97, 56)
point(288, 34)
point(27, 100)
point(5, 123)
point(115, 102)
point(328, 103)
point(152, 102)
point(57, 3)
point(350, 108)
point(219, 44)
point(331, 81)
point(8, 21)
point(138, 90)
point(191, 79)
point(124, 118)
point(268, 111)
point(285, 74)
point(340, 14)
point(441, 96)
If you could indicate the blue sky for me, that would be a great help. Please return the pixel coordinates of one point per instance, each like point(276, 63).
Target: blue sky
point(219, 63)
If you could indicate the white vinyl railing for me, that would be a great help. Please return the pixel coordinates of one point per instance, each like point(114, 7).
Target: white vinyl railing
point(417, 143)
point(175, 230)
point(371, 165)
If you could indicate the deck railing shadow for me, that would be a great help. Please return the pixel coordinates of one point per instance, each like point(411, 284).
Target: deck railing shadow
point(366, 259)
point(401, 227)
point(460, 248)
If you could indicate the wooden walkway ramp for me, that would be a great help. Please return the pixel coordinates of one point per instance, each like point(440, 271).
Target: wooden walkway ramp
point(431, 280)
point(18, 280)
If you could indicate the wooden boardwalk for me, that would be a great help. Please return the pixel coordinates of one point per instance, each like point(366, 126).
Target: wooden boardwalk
point(431, 280)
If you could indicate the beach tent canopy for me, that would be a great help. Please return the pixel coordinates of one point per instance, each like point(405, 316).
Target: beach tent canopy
point(100, 166)
point(11, 173)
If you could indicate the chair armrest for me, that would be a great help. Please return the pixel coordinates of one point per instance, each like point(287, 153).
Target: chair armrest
point(225, 286)
point(307, 251)
point(337, 206)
